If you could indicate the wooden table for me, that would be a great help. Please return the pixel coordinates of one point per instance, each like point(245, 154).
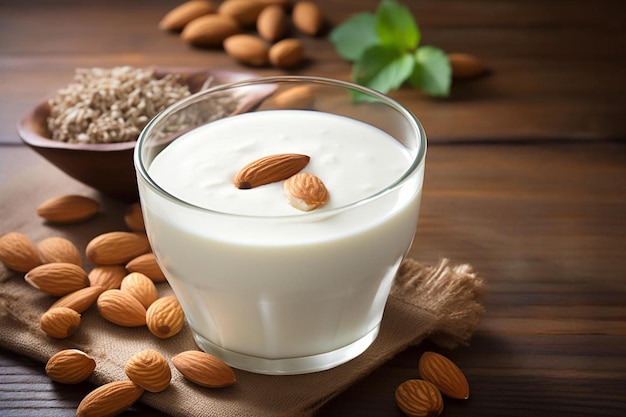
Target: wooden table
point(526, 181)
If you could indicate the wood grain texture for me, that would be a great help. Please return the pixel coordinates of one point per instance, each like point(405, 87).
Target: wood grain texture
point(521, 182)
point(556, 69)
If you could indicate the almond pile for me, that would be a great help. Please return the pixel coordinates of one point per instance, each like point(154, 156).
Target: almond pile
point(123, 286)
point(303, 190)
point(423, 397)
point(253, 32)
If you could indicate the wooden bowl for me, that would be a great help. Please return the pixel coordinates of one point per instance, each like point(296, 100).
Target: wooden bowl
point(106, 167)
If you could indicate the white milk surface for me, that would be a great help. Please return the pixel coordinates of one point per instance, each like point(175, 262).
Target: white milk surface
point(273, 287)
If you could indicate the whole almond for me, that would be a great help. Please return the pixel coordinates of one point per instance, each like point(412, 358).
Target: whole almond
point(210, 30)
point(147, 265)
point(204, 369)
point(247, 49)
point(465, 66)
point(150, 370)
point(68, 209)
point(59, 249)
point(272, 23)
point(179, 16)
point(305, 191)
point(419, 398)
point(165, 317)
point(141, 287)
point(133, 217)
point(444, 374)
point(245, 12)
point(287, 53)
point(59, 322)
point(121, 308)
point(80, 300)
point(116, 248)
point(297, 98)
point(109, 399)
point(307, 17)
point(58, 278)
point(70, 366)
point(18, 252)
point(269, 169)
point(108, 277)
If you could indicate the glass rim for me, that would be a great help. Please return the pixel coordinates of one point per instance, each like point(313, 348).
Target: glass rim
point(413, 168)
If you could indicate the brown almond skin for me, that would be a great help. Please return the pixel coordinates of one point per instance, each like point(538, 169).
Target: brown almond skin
point(70, 366)
point(133, 217)
point(18, 252)
point(79, 300)
point(108, 277)
point(59, 249)
point(210, 30)
point(121, 308)
point(444, 374)
point(147, 265)
point(68, 209)
point(116, 248)
point(419, 398)
point(165, 317)
point(247, 49)
point(109, 399)
point(287, 53)
point(273, 23)
point(307, 17)
point(245, 12)
point(58, 278)
point(465, 66)
point(59, 322)
point(178, 17)
point(204, 369)
point(150, 370)
point(305, 191)
point(299, 97)
point(269, 169)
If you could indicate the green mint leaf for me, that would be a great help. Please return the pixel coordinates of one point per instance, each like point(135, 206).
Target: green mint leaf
point(383, 68)
point(432, 73)
point(395, 26)
point(355, 35)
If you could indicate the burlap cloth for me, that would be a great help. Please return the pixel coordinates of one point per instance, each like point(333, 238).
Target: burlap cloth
point(439, 301)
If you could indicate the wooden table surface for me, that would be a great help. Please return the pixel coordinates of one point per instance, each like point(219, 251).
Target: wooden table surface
point(525, 180)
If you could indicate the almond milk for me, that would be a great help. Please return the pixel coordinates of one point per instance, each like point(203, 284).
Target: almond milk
point(265, 286)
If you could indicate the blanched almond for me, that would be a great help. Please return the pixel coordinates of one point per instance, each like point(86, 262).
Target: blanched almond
point(116, 248)
point(59, 249)
point(70, 366)
point(68, 209)
point(59, 278)
point(59, 322)
point(18, 252)
point(305, 191)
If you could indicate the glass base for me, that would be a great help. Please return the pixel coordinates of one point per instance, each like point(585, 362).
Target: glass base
point(289, 366)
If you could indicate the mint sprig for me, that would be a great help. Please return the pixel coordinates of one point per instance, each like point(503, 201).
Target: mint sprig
point(385, 52)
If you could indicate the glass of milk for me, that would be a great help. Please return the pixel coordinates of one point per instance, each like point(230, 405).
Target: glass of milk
point(265, 286)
